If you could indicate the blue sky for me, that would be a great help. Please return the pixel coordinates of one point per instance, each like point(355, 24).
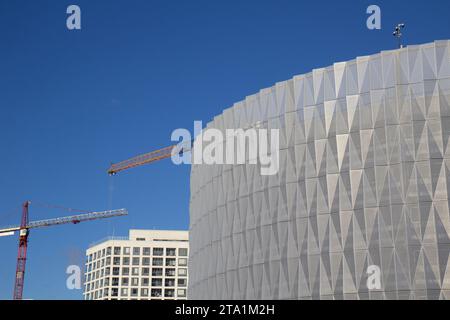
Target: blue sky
point(71, 102)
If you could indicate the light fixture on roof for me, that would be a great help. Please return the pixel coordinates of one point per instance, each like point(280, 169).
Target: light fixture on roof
point(398, 33)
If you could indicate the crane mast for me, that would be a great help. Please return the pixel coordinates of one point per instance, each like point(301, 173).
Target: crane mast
point(21, 254)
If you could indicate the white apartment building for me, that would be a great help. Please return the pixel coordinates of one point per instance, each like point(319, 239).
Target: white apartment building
point(147, 265)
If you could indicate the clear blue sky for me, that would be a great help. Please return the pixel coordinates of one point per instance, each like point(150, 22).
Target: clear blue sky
point(71, 102)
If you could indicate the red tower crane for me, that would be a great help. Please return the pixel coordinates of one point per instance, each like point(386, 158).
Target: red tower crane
point(25, 226)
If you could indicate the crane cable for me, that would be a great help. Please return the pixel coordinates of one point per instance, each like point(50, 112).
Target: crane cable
point(110, 203)
point(53, 206)
point(110, 192)
point(6, 216)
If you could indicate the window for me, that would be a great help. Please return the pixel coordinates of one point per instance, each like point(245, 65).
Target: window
point(134, 292)
point(170, 272)
point(144, 292)
point(146, 251)
point(117, 251)
point(135, 261)
point(169, 282)
point(145, 271)
point(136, 251)
point(125, 271)
point(108, 251)
point(171, 252)
point(108, 261)
point(125, 281)
point(157, 261)
point(140, 239)
point(169, 293)
point(126, 250)
point(145, 282)
point(171, 262)
point(115, 282)
point(181, 292)
point(126, 261)
point(107, 271)
point(156, 292)
point(182, 262)
point(146, 261)
point(106, 282)
point(134, 281)
point(116, 271)
point(116, 261)
point(157, 272)
point(156, 282)
point(183, 252)
point(135, 271)
point(182, 282)
point(158, 251)
point(182, 271)
point(124, 292)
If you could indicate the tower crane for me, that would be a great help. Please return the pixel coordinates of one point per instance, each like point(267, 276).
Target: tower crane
point(26, 225)
point(150, 157)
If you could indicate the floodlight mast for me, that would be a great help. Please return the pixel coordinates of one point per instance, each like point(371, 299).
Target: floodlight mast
point(398, 34)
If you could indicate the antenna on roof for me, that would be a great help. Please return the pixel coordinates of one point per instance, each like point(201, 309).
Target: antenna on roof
point(398, 33)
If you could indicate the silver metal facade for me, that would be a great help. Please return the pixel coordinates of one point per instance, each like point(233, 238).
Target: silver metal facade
point(364, 180)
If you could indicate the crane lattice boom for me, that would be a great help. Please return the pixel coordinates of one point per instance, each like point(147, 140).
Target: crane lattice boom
point(69, 219)
point(149, 157)
point(141, 160)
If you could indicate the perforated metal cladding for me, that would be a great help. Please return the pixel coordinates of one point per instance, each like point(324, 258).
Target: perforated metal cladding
point(363, 180)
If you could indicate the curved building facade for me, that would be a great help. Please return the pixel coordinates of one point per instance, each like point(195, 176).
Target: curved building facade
point(364, 180)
